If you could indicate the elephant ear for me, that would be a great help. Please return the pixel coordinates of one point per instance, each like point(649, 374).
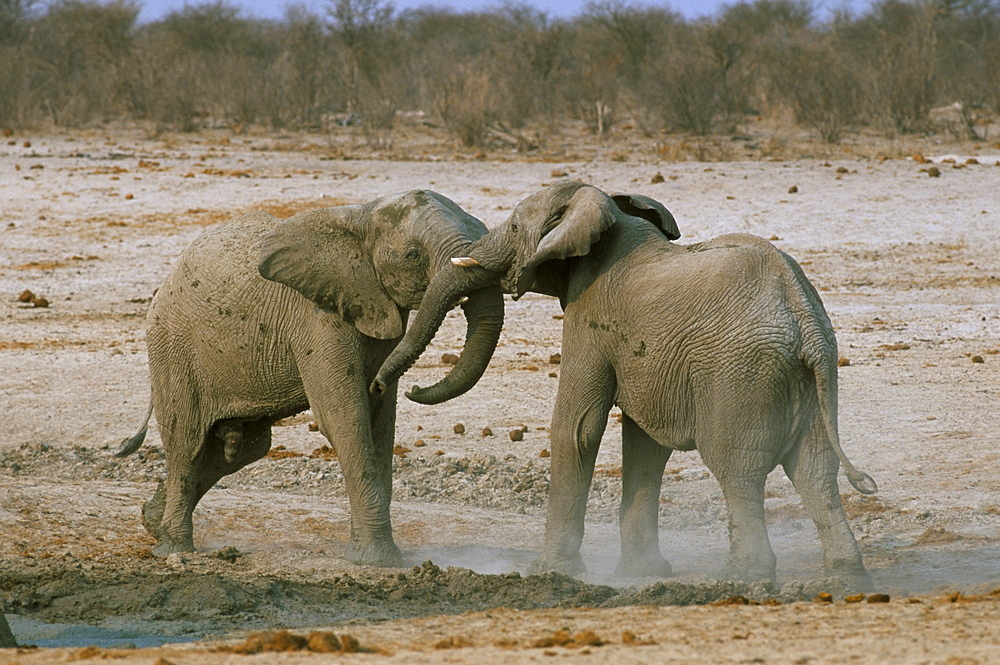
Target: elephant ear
point(322, 257)
point(573, 225)
point(649, 209)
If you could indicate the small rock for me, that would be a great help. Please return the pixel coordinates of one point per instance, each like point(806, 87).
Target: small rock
point(978, 359)
point(794, 189)
point(459, 428)
point(419, 443)
point(934, 172)
point(26, 296)
point(545, 453)
point(323, 642)
point(774, 237)
point(449, 358)
point(856, 598)
point(555, 359)
point(558, 173)
point(656, 179)
point(843, 362)
point(39, 302)
point(878, 598)
point(823, 597)
point(227, 553)
point(313, 427)
point(516, 435)
point(487, 431)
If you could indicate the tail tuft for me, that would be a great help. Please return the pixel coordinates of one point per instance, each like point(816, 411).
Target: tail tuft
point(131, 444)
point(862, 482)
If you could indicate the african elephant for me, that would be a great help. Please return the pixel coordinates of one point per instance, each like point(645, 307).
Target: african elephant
point(262, 318)
point(721, 346)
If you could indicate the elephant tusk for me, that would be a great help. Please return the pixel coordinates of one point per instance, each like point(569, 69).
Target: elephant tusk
point(465, 261)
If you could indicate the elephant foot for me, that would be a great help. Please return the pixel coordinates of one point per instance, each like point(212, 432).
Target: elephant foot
point(381, 553)
point(652, 565)
point(852, 574)
point(152, 511)
point(741, 572)
point(168, 546)
point(572, 565)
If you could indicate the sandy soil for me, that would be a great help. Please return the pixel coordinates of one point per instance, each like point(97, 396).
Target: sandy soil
point(907, 265)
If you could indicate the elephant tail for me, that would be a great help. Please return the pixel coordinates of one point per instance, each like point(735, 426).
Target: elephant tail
point(131, 444)
point(826, 391)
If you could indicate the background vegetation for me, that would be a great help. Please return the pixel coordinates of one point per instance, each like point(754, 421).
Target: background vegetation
point(487, 76)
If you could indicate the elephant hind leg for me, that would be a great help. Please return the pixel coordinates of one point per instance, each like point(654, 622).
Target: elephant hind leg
point(812, 468)
point(643, 461)
point(168, 514)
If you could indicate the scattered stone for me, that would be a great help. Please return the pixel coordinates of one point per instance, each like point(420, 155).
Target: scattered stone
point(878, 598)
point(545, 453)
point(26, 296)
point(774, 237)
point(794, 189)
point(459, 428)
point(487, 432)
point(558, 173)
point(555, 359)
point(656, 179)
point(844, 362)
point(227, 553)
point(978, 359)
point(934, 172)
point(39, 301)
point(323, 642)
point(449, 359)
point(856, 598)
point(516, 435)
point(419, 443)
point(823, 597)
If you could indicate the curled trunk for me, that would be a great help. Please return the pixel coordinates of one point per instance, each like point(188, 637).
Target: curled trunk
point(484, 314)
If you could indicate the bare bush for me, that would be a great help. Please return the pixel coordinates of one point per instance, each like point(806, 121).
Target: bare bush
point(494, 77)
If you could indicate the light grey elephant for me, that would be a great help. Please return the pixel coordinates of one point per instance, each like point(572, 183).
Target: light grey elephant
point(723, 346)
point(262, 318)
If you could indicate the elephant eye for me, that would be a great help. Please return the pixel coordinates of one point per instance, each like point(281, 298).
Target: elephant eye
point(513, 227)
point(412, 255)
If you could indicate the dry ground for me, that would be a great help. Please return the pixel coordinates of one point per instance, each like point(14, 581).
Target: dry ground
point(907, 265)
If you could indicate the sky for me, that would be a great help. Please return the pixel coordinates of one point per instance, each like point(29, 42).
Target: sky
point(691, 9)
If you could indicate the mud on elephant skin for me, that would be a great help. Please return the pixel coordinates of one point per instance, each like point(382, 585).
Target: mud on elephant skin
point(722, 346)
point(262, 318)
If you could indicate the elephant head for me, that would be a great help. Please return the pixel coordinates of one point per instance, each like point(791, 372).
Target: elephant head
point(522, 254)
point(371, 263)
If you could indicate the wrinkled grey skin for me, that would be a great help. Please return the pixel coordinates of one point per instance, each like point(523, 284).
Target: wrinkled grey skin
point(723, 346)
point(262, 318)
point(7, 640)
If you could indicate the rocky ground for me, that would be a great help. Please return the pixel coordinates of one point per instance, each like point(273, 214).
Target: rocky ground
point(906, 263)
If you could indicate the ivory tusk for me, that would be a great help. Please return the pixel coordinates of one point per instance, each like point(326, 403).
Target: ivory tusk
point(465, 261)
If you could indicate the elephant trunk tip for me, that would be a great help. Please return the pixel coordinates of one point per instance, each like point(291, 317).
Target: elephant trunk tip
point(426, 396)
point(378, 386)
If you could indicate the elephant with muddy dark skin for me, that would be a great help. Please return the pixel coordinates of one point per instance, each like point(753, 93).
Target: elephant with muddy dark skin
point(721, 346)
point(262, 318)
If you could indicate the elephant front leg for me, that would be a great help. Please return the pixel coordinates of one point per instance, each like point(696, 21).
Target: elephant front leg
point(643, 460)
point(578, 423)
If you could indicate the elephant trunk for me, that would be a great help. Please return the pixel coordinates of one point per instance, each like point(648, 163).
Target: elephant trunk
point(484, 314)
